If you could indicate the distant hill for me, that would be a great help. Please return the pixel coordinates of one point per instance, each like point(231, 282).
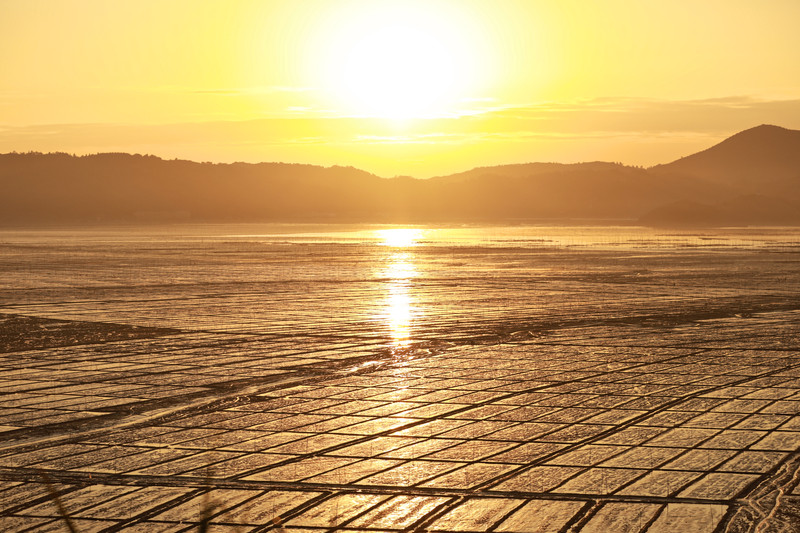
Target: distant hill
point(125, 187)
point(748, 210)
point(521, 170)
point(756, 172)
point(761, 160)
point(751, 178)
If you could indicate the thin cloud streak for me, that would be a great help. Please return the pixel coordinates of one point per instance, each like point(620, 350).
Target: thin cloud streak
point(631, 130)
point(253, 90)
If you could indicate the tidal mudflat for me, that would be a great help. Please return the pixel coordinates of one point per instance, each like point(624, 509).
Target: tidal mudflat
point(308, 378)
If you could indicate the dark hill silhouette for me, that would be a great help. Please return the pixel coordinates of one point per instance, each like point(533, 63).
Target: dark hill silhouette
point(583, 190)
point(760, 160)
point(521, 170)
point(750, 209)
point(757, 172)
point(124, 187)
point(751, 178)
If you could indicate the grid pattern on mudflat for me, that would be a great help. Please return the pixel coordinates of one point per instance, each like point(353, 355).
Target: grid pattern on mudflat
point(564, 391)
point(492, 436)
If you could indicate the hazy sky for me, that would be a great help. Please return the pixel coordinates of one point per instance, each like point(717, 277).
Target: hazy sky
point(419, 87)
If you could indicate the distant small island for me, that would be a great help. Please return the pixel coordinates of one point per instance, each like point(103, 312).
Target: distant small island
point(751, 178)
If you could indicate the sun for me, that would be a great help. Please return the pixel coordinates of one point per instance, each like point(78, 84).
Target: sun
point(398, 71)
point(399, 237)
point(400, 60)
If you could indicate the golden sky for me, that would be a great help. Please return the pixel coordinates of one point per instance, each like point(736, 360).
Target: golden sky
point(420, 87)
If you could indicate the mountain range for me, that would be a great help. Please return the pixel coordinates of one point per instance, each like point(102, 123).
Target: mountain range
point(751, 178)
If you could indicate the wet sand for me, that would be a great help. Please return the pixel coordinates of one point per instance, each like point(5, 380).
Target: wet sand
point(309, 384)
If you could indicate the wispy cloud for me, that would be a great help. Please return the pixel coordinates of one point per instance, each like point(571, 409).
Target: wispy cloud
point(633, 130)
point(252, 90)
point(649, 115)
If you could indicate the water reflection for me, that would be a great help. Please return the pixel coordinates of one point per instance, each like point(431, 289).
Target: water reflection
point(399, 237)
point(399, 315)
point(400, 267)
point(399, 271)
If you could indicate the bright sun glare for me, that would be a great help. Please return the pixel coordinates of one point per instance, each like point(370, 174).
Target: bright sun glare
point(400, 309)
point(399, 237)
point(400, 60)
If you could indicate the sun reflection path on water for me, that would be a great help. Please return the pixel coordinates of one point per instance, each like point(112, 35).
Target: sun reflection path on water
point(399, 237)
point(399, 271)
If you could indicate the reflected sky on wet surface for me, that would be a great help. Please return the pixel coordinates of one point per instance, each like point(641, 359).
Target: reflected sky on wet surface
point(398, 272)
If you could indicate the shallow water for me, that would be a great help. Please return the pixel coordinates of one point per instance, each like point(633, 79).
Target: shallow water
point(398, 284)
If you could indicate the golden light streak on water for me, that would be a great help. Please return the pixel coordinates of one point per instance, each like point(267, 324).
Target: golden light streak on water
point(399, 237)
point(399, 313)
point(399, 306)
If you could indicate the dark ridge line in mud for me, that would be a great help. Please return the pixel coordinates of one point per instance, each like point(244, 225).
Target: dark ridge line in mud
point(587, 512)
point(80, 480)
point(19, 333)
point(225, 338)
point(688, 345)
point(64, 491)
point(507, 330)
point(204, 296)
point(158, 509)
point(533, 329)
point(299, 510)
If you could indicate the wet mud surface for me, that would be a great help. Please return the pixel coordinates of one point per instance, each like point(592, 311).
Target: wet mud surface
point(292, 386)
point(20, 333)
